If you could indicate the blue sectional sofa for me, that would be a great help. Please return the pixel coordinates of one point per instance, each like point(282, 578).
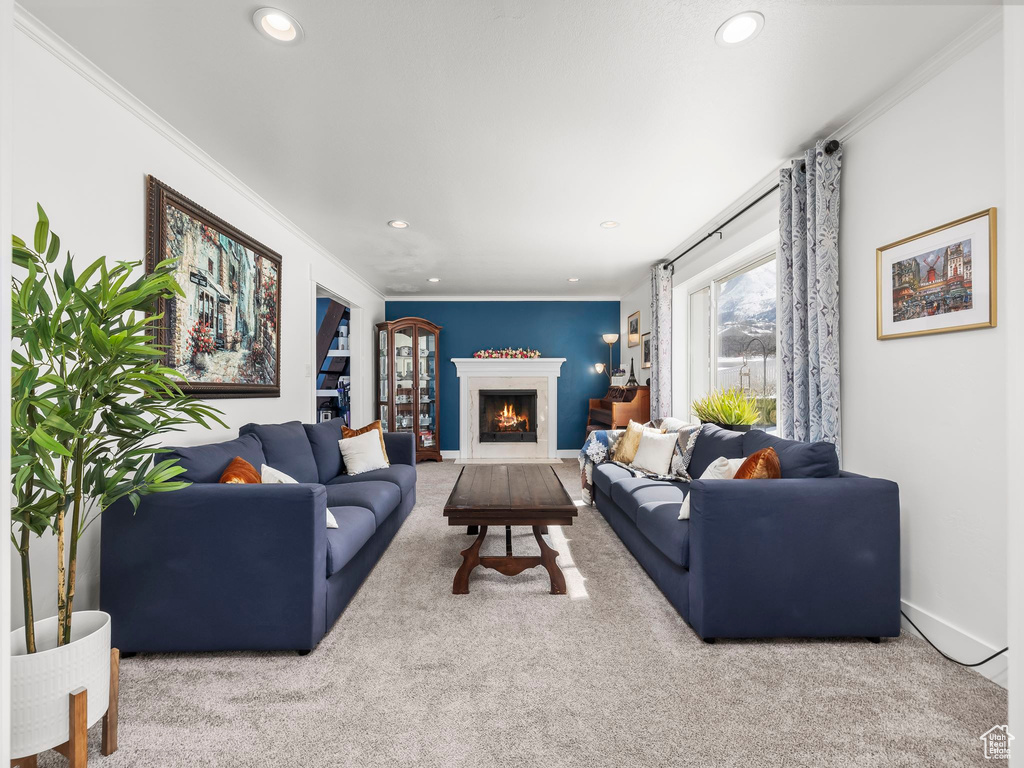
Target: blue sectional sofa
point(251, 567)
point(814, 554)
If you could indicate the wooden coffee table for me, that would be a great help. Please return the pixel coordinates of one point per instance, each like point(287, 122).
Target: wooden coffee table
point(509, 494)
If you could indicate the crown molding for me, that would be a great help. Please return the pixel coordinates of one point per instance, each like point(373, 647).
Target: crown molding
point(414, 297)
point(975, 35)
point(50, 41)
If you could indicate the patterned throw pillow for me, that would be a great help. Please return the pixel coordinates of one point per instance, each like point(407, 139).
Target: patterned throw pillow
point(686, 440)
point(762, 465)
point(240, 471)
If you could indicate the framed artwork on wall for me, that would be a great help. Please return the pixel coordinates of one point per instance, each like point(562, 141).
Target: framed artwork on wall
point(633, 330)
point(940, 280)
point(645, 350)
point(224, 333)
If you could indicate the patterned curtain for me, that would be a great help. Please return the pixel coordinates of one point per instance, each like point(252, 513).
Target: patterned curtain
point(808, 301)
point(661, 341)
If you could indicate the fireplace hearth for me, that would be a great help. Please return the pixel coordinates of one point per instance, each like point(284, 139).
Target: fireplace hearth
point(508, 416)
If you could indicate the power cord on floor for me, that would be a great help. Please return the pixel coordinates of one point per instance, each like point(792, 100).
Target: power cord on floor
point(950, 658)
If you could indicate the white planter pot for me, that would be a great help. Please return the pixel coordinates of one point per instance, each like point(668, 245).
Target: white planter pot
point(41, 681)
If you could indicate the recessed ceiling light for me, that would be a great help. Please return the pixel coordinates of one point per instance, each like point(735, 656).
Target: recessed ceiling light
point(609, 224)
point(574, 279)
point(740, 28)
point(433, 279)
point(277, 25)
point(398, 224)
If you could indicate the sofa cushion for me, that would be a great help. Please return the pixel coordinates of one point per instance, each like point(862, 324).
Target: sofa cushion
point(796, 459)
point(355, 527)
point(381, 498)
point(630, 493)
point(713, 443)
point(323, 440)
point(286, 448)
point(606, 474)
point(206, 463)
point(659, 522)
point(402, 475)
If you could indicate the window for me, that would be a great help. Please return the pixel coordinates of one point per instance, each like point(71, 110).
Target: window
point(732, 340)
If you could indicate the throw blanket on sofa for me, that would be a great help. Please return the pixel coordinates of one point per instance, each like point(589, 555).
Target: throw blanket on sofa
point(600, 446)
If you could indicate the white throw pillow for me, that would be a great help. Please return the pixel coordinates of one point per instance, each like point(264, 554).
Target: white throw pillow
point(655, 452)
point(362, 453)
point(269, 475)
point(672, 424)
point(719, 469)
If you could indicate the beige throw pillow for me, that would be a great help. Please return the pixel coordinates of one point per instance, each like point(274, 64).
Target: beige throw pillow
point(626, 448)
point(655, 452)
point(362, 453)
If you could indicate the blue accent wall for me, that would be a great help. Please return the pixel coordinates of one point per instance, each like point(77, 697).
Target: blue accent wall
point(569, 329)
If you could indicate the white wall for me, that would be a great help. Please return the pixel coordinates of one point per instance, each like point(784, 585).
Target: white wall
point(1013, 52)
point(84, 154)
point(638, 298)
point(6, 122)
point(926, 411)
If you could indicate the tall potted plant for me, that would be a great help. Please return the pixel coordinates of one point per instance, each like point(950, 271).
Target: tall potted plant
point(89, 395)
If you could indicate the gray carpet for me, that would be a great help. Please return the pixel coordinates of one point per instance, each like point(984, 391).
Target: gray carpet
point(511, 675)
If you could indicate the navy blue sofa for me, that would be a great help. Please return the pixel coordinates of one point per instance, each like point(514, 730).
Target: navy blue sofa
point(251, 567)
point(814, 554)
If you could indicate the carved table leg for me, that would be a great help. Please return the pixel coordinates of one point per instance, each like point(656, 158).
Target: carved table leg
point(547, 559)
point(470, 560)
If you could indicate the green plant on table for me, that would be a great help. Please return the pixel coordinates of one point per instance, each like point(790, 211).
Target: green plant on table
point(727, 406)
point(89, 393)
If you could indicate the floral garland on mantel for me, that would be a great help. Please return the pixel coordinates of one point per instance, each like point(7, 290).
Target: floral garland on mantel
point(507, 354)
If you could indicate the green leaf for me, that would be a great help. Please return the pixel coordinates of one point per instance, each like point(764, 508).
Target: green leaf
point(40, 438)
point(42, 230)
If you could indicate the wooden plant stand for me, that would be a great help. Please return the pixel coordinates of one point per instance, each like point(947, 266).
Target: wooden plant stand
point(76, 748)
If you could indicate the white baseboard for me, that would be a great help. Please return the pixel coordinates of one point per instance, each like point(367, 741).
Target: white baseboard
point(957, 643)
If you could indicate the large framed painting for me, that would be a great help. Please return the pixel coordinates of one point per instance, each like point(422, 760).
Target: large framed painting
point(224, 334)
point(939, 281)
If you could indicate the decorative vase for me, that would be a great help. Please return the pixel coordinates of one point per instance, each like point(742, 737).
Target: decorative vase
point(41, 681)
point(202, 360)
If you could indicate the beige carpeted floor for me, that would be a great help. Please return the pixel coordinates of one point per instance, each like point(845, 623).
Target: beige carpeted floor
point(412, 675)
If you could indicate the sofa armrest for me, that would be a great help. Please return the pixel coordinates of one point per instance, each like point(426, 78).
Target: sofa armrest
point(401, 447)
point(797, 557)
point(217, 567)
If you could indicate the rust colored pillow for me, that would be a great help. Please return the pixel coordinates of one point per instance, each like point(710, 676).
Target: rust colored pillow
point(762, 465)
point(347, 432)
point(240, 471)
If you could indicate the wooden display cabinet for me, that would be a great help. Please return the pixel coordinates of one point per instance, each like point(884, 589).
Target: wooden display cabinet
point(407, 382)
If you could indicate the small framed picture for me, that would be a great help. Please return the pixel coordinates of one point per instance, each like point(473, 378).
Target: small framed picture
point(645, 350)
point(940, 280)
point(633, 330)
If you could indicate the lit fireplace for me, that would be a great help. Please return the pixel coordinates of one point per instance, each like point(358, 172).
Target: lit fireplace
point(508, 416)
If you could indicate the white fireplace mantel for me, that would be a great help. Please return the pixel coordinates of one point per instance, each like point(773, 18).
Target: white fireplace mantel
point(467, 368)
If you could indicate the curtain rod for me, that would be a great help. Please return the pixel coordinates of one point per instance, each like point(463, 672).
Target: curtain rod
point(830, 147)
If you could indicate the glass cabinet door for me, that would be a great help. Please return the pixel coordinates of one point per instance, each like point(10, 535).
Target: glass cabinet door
point(405, 380)
point(426, 395)
point(383, 395)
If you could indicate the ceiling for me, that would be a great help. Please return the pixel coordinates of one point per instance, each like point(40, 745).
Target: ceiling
point(504, 131)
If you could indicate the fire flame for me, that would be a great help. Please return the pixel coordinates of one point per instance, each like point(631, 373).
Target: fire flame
point(508, 419)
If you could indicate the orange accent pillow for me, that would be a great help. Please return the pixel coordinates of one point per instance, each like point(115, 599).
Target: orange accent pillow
point(762, 465)
point(347, 432)
point(240, 471)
